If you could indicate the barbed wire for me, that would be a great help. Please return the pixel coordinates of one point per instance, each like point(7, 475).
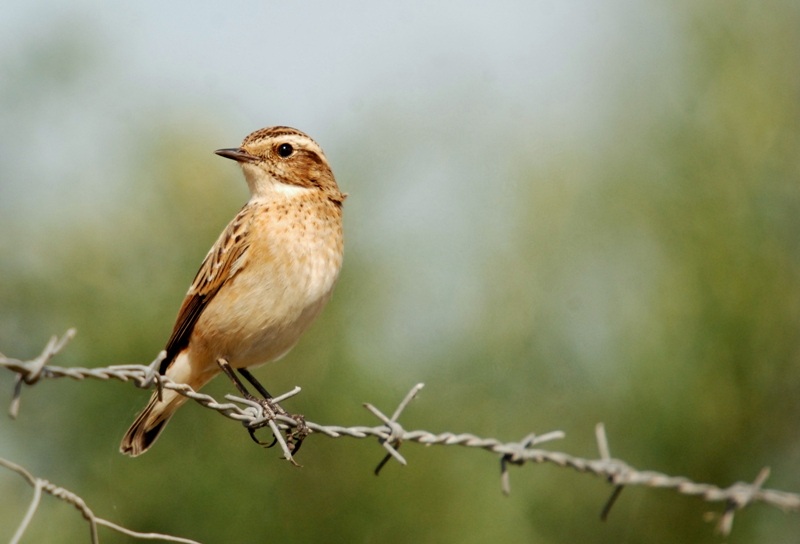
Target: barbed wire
point(40, 484)
point(390, 434)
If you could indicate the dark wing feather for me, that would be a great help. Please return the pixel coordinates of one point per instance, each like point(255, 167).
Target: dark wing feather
point(221, 264)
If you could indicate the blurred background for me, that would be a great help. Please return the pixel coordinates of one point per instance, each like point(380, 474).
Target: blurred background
point(560, 213)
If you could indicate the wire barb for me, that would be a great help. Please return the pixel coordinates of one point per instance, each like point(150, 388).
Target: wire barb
point(740, 498)
point(605, 455)
point(31, 371)
point(393, 440)
point(516, 455)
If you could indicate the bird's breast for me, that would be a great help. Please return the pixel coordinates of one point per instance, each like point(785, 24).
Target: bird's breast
point(291, 267)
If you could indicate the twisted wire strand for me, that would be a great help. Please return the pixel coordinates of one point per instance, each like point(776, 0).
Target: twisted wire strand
point(391, 434)
point(39, 485)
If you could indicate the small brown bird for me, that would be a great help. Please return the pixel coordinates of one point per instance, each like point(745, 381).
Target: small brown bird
point(265, 279)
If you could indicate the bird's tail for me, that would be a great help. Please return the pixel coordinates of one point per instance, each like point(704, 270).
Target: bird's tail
point(155, 416)
point(150, 422)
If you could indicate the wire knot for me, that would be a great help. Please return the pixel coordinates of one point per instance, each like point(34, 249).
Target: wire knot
point(152, 374)
point(741, 494)
point(394, 438)
point(32, 371)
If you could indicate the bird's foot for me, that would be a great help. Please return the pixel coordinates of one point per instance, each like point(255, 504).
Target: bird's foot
point(296, 428)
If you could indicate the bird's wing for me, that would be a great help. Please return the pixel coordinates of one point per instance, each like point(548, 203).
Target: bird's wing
point(225, 259)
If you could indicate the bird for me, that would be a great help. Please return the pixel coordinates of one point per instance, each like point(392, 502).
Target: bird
point(265, 279)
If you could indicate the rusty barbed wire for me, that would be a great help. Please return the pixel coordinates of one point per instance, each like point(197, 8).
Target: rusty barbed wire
point(390, 434)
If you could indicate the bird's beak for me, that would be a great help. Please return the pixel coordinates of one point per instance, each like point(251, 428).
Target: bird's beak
point(238, 154)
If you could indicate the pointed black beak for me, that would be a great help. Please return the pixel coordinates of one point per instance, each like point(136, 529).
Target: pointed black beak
point(238, 154)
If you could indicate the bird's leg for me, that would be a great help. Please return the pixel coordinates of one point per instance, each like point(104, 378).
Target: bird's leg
point(226, 368)
point(295, 437)
point(299, 433)
point(252, 379)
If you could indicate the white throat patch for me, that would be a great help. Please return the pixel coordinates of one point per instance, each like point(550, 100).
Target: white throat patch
point(290, 190)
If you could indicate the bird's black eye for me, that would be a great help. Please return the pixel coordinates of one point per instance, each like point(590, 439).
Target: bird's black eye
point(285, 150)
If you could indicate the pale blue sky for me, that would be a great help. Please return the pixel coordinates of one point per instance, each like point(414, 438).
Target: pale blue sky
point(324, 66)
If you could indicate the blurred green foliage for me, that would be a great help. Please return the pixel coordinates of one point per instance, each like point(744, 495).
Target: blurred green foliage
point(651, 282)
